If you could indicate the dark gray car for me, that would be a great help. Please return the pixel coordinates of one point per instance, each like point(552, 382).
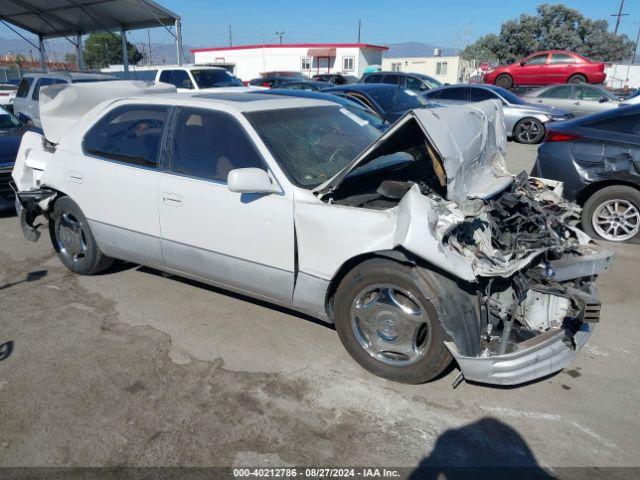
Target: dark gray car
point(598, 160)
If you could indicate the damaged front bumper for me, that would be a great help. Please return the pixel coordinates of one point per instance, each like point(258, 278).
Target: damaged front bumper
point(543, 355)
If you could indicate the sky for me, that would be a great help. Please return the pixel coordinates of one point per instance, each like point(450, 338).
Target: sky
point(446, 24)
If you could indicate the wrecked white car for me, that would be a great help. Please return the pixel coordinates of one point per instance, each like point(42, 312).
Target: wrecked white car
point(418, 245)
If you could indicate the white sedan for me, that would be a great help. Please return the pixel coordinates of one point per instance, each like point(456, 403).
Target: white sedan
point(418, 244)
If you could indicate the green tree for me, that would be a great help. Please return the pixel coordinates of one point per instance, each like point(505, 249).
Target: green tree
point(103, 48)
point(554, 27)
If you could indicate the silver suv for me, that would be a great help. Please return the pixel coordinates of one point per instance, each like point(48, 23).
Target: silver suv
point(25, 105)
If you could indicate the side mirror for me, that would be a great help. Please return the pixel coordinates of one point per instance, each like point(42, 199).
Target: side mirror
point(250, 180)
point(522, 64)
point(603, 99)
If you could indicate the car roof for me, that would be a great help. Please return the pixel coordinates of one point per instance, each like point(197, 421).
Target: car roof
point(364, 87)
point(70, 75)
point(238, 101)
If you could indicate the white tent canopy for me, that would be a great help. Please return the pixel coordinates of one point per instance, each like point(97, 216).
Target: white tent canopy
point(74, 18)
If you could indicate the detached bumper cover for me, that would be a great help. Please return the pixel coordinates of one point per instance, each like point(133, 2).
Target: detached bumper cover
point(550, 354)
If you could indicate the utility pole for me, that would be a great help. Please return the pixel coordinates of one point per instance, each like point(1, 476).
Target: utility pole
point(618, 15)
point(280, 34)
point(149, 43)
point(633, 57)
point(231, 37)
point(359, 29)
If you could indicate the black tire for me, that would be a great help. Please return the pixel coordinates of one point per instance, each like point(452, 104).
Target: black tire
point(72, 239)
point(628, 196)
point(368, 274)
point(577, 78)
point(529, 131)
point(504, 81)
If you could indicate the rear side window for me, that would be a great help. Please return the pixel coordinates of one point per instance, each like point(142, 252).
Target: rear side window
point(561, 91)
point(209, 144)
point(129, 134)
point(537, 60)
point(620, 123)
point(456, 93)
point(23, 88)
point(392, 79)
point(587, 93)
point(373, 79)
point(43, 82)
point(558, 58)
point(480, 94)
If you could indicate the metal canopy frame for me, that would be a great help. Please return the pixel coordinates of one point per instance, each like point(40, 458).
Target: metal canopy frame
point(74, 18)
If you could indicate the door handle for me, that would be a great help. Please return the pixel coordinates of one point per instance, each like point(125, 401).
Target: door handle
point(173, 199)
point(76, 177)
point(576, 103)
point(539, 101)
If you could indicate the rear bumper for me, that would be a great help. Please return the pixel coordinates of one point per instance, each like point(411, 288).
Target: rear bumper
point(598, 77)
point(548, 355)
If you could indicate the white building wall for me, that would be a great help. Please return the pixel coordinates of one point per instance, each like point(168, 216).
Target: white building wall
point(446, 69)
point(619, 76)
point(251, 62)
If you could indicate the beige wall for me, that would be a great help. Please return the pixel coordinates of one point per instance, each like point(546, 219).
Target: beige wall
point(451, 69)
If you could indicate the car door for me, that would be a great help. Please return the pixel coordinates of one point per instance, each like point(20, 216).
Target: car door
point(560, 67)
point(589, 99)
point(560, 96)
point(115, 181)
point(242, 241)
point(179, 78)
point(532, 71)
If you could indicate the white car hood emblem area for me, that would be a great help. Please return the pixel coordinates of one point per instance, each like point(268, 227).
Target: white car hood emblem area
point(470, 141)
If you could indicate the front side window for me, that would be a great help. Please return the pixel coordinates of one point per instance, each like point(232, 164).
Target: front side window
point(305, 63)
point(584, 92)
point(129, 134)
point(178, 78)
point(43, 82)
point(456, 93)
point(397, 100)
point(23, 88)
point(312, 144)
point(348, 64)
point(561, 91)
point(416, 84)
point(537, 60)
point(391, 79)
point(209, 144)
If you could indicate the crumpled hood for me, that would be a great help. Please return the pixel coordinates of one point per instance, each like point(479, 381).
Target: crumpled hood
point(62, 105)
point(469, 140)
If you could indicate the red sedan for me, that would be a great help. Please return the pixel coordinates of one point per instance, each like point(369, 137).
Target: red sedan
point(545, 68)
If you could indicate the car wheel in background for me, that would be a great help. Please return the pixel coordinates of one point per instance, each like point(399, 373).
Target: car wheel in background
point(578, 78)
point(388, 325)
point(613, 214)
point(73, 240)
point(529, 131)
point(504, 81)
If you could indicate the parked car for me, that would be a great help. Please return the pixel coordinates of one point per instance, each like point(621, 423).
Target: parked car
point(312, 85)
point(390, 102)
point(546, 68)
point(297, 202)
point(336, 78)
point(597, 158)
point(632, 99)
point(579, 100)
point(187, 79)
point(7, 93)
point(25, 104)
point(362, 112)
point(11, 130)
point(525, 122)
point(270, 82)
point(412, 81)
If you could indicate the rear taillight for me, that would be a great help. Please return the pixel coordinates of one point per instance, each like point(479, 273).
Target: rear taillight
point(3, 94)
point(560, 137)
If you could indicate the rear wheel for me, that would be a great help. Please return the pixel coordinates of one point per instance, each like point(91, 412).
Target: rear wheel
point(388, 325)
point(504, 81)
point(529, 131)
point(73, 240)
point(613, 214)
point(578, 78)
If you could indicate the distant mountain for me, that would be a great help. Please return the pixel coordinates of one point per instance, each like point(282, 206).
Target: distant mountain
point(59, 47)
point(414, 49)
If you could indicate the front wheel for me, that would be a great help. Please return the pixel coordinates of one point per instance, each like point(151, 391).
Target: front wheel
point(613, 214)
point(504, 81)
point(529, 131)
point(388, 325)
point(73, 240)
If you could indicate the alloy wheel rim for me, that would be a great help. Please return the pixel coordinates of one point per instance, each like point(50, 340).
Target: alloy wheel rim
point(616, 220)
point(71, 238)
point(528, 131)
point(390, 324)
